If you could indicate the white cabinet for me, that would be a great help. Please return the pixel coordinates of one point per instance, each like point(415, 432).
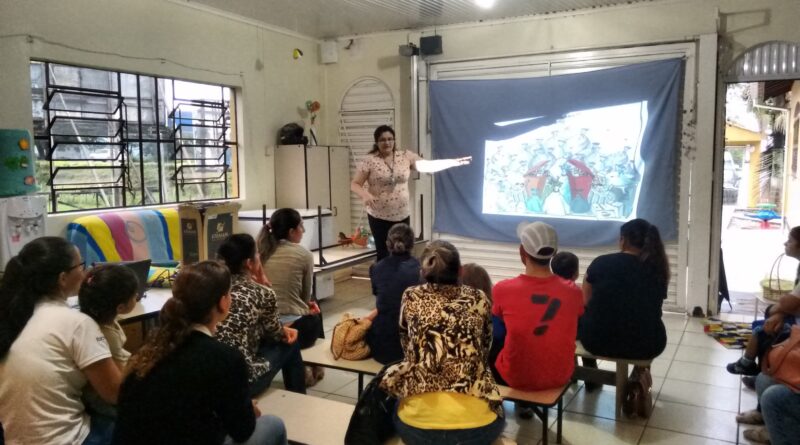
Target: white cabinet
point(307, 177)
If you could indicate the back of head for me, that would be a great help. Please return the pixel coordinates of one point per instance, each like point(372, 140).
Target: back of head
point(565, 265)
point(30, 277)
point(539, 240)
point(196, 292)
point(280, 223)
point(642, 235)
point(104, 288)
point(476, 276)
point(236, 250)
point(400, 239)
point(440, 263)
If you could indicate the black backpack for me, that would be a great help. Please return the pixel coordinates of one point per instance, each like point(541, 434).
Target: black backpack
point(292, 134)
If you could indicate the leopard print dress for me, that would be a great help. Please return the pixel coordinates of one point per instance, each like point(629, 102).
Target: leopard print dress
point(253, 318)
point(446, 331)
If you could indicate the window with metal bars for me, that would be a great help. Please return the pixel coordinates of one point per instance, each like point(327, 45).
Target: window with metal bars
point(108, 139)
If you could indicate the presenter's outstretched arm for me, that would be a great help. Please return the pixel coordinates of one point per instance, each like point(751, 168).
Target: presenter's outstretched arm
point(425, 166)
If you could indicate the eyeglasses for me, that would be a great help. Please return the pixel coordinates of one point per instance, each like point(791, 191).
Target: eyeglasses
point(381, 141)
point(82, 265)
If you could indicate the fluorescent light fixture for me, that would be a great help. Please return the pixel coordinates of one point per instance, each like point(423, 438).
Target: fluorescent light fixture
point(485, 4)
point(516, 121)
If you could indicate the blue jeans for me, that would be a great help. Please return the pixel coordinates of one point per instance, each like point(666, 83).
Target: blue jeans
point(101, 430)
point(483, 435)
point(281, 357)
point(781, 409)
point(269, 431)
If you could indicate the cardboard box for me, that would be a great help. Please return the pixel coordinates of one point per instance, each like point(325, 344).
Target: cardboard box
point(204, 226)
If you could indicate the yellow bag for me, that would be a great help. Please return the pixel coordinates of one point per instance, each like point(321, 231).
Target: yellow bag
point(774, 287)
point(349, 338)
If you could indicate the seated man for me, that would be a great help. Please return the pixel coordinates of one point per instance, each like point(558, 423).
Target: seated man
point(538, 311)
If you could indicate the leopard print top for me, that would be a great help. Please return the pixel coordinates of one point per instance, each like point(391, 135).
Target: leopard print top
point(446, 331)
point(253, 317)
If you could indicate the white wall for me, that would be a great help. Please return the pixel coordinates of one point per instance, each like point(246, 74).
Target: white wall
point(135, 36)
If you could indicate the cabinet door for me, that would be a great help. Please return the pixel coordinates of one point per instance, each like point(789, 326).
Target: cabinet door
point(340, 189)
point(290, 177)
point(318, 177)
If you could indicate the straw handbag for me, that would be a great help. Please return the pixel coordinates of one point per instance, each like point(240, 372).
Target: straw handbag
point(349, 338)
point(773, 287)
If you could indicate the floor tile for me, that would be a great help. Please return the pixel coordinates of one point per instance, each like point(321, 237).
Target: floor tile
point(669, 352)
point(334, 379)
point(695, 324)
point(655, 436)
point(700, 340)
point(674, 321)
point(602, 403)
point(350, 389)
point(583, 429)
point(714, 357)
point(710, 375)
point(698, 394)
point(705, 422)
point(338, 398)
point(674, 337)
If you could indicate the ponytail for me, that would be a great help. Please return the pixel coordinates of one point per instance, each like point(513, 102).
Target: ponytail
point(440, 263)
point(195, 294)
point(645, 236)
point(30, 277)
point(280, 223)
point(400, 239)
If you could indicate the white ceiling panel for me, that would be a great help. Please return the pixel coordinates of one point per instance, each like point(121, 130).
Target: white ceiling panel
point(324, 19)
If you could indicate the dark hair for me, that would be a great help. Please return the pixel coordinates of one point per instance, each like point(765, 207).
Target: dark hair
point(378, 132)
point(440, 263)
point(30, 277)
point(474, 275)
point(565, 265)
point(400, 239)
point(644, 236)
point(236, 250)
point(795, 234)
point(104, 288)
point(197, 290)
point(280, 223)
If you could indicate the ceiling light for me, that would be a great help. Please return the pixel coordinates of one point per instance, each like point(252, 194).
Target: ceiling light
point(485, 4)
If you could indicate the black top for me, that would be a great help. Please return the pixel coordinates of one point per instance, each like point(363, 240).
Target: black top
point(196, 395)
point(623, 317)
point(390, 277)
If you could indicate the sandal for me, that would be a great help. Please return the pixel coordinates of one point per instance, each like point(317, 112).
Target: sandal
point(758, 435)
point(752, 417)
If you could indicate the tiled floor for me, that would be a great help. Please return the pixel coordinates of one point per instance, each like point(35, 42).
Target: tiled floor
point(696, 399)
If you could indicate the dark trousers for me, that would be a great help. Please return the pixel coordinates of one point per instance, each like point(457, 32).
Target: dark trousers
point(380, 231)
point(284, 358)
point(309, 329)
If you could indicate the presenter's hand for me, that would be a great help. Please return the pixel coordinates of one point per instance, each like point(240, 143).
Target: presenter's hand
point(466, 160)
point(289, 335)
point(369, 199)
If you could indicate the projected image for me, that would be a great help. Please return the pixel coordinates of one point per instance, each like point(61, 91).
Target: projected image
point(586, 165)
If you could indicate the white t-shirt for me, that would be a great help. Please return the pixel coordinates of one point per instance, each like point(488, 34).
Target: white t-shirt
point(41, 380)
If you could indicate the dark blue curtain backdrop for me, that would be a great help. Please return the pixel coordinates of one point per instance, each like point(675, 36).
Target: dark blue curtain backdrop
point(463, 117)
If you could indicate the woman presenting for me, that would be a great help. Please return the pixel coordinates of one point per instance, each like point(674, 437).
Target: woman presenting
point(387, 170)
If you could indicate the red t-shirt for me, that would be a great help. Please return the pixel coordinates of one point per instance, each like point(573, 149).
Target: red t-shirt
point(541, 319)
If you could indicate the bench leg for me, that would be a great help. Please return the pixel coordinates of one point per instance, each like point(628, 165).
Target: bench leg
point(622, 380)
point(545, 422)
point(360, 384)
point(558, 418)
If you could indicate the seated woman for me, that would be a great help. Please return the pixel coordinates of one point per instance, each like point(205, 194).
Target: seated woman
point(623, 293)
point(252, 325)
point(185, 387)
point(390, 277)
point(48, 351)
point(290, 267)
point(446, 390)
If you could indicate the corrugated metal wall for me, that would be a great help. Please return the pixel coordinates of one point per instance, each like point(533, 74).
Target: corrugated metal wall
point(767, 61)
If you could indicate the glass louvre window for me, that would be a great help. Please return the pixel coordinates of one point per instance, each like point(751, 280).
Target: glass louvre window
point(108, 139)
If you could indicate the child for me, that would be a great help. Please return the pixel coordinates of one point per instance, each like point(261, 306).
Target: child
point(565, 265)
point(476, 276)
point(106, 292)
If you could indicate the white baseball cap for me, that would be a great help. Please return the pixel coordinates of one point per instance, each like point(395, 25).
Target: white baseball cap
point(537, 236)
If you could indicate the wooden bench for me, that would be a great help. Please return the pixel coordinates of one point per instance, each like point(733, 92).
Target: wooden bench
point(320, 355)
point(540, 401)
point(308, 419)
point(618, 378)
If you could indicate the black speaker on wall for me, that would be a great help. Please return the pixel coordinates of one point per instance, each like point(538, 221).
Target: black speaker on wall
point(431, 45)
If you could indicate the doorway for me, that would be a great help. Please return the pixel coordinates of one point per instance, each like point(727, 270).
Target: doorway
point(759, 178)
